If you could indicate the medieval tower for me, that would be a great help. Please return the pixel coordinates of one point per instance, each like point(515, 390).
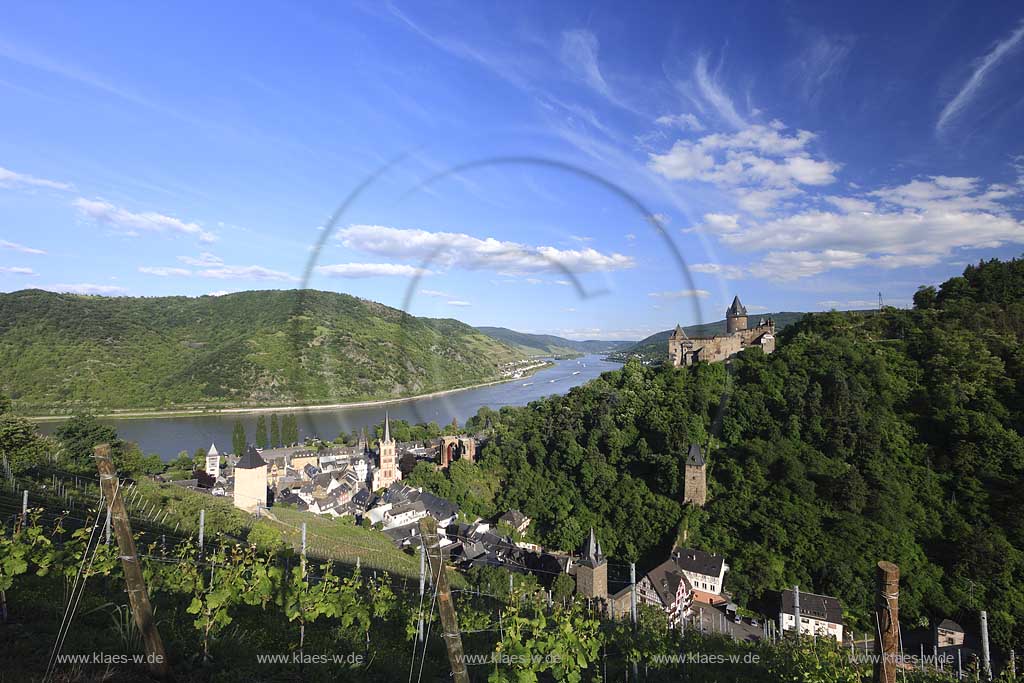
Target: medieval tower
point(388, 457)
point(251, 481)
point(735, 316)
point(592, 570)
point(695, 484)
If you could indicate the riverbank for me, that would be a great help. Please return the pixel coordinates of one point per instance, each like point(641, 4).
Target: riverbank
point(254, 410)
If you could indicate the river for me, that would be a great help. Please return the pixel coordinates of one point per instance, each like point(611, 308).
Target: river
point(170, 435)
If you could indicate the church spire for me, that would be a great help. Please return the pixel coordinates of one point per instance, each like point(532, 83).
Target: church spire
point(387, 427)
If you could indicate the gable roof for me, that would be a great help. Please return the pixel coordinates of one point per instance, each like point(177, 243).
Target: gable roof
point(821, 607)
point(678, 333)
point(665, 579)
point(251, 460)
point(698, 561)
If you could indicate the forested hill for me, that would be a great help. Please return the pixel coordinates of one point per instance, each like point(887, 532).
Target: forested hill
point(62, 352)
point(551, 345)
point(892, 436)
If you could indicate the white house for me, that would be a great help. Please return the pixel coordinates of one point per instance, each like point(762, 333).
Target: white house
point(820, 615)
point(704, 571)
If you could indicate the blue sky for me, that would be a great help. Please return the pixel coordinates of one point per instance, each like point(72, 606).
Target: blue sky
point(802, 155)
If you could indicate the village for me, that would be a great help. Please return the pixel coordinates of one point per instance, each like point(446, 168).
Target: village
point(366, 483)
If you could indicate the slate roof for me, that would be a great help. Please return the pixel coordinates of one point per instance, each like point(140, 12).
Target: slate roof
point(698, 561)
point(820, 607)
point(678, 333)
point(251, 460)
point(590, 551)
point(695, 456)
point(666, 578)
point(736, 309)
point(950, 625)
point(514, 518)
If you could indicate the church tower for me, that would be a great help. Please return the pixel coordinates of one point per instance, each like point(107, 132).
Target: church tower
point(592, 570)
point(388, 457)
point(695, 484)
point(213, 461)
point(735, 316)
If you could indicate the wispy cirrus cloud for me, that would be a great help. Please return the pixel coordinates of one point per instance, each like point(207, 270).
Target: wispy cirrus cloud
point(9, 178)
point(449, 249)
point(970, 89)
point(204, 259)
point(165, 272)
point(20, 248)
point(16, 270)
point(459, 302)
point(714, 94)
point(131, 223)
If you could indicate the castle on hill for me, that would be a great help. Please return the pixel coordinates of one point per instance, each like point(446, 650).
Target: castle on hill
point(683, 350)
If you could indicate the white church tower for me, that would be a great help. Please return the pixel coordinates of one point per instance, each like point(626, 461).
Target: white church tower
point(213, 462)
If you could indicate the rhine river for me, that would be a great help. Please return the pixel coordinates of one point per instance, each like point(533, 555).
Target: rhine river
point(170, 435)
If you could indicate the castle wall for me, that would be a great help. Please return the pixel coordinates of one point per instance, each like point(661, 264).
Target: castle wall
point(720, 348)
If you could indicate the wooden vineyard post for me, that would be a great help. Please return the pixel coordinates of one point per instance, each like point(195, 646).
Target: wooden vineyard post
point(887, 619)
point(450, 623)
point(138, 597)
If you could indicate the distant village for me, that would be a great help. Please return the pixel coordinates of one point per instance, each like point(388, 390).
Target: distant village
point(688, 585)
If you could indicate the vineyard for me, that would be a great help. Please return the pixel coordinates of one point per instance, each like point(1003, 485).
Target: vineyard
point(247, 606)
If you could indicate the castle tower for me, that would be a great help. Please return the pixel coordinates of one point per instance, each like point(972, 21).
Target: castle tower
point(251, 481)
point(695, 483)
point(735, 316)
point(592, 570)
point(388, 457)
point(678, 346)
point(213, 461)
point(364, 442)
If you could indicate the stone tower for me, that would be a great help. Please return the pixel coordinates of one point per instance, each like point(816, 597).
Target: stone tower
point(695, 484)
point(388, 457)
point(735, 316)
point(251, 481)
point(592, 570)
point(678, 346)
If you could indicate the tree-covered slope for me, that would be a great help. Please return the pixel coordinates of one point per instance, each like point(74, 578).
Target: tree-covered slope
point(63, 351)
point(891, 436)
point(551, 345)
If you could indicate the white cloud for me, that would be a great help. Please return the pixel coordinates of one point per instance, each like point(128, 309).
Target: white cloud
point(435, 293)
point(456, 302)
point(131, 222)
point(680, 121)
point(87, 288)
point(760, 164)
point(681, 294)
point(715, 96)
point(970, 89)
point(16, 270)
point(245, 273)
point(164, 272)
point(204, 259)
point(21, 248)
point(220, 292)
point(449, 249)
point(563, 283)
point(916, 224)
point(722, 270)
point(9, 178)
point(361, 270)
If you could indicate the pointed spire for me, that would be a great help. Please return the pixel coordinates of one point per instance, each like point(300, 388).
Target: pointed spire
point(213, 450)
point(736, 309)
point(387, 427)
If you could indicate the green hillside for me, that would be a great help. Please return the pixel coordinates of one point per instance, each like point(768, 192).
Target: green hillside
point(64, 352)
point(551, 345)
point(655, 347)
